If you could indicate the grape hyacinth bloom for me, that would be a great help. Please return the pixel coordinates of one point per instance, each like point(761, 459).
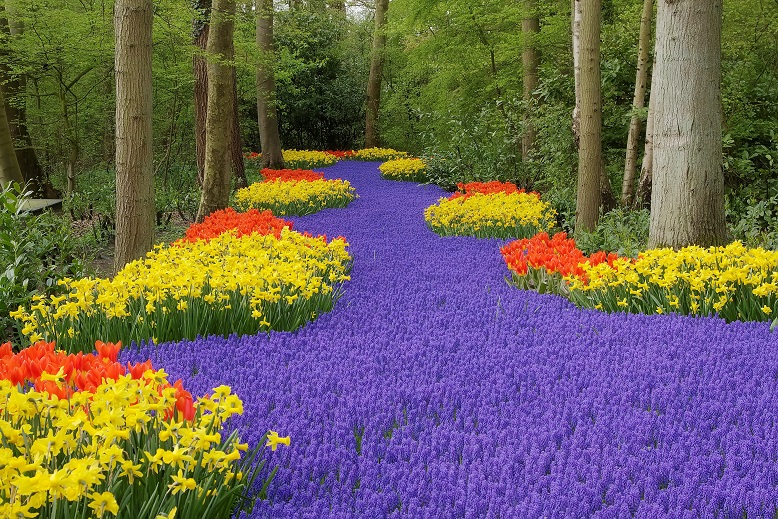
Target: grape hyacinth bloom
point(434, 389)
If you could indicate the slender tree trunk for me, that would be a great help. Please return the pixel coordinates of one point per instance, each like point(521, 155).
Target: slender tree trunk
point(9, 165)
point(267, 114)
point(219, 118)
point(376, 71)
point(687, 199)
point(638, 102)
point(199, 65)
point(236, 143)
point(575, 18)
point(590, 152)
point(530, 58)
point(643, 195)
point(200, 29)
point(134, 175)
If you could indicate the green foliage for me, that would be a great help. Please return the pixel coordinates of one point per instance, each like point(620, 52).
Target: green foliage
point(176, 195)
point(752, 214)
point(620, 231)
point(36, 251)
point(479, 148)
point(320, 79)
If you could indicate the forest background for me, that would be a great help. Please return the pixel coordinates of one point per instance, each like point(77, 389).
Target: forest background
point(452, 92)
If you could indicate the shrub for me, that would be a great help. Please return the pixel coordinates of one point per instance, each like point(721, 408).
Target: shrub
point(36, 252)
point(621, 231)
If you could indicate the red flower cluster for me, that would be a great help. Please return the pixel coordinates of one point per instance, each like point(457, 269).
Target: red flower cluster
point(38, 364)
point(556, 255)
point(251, 155)
point(252, 221)
point(289, 175)
point(341, 154)
point(485, 188)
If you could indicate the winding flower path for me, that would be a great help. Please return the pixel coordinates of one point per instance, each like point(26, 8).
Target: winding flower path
point(433, 389)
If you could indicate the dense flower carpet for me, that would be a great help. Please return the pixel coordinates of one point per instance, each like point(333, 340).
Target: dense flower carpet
point(435, 389)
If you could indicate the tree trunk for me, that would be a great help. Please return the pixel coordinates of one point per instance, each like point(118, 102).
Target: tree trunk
point(575, 17)
point(643, 195)
point(376, 71)
point(15, 90)
point(9, 165)
point(236, 143)
point(134, 175)
point(219, 117)
point(269, 138)
point(687, 199)
point(590, 170)
point(638, 102)
point(530, 58)
point(199, 66)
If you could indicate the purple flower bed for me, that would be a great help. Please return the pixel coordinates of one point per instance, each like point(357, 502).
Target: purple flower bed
point(433, 389)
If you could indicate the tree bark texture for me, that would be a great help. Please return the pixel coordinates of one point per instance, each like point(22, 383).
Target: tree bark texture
point(134, 174)
point(575, 18)
point(687, 199)
point(219, 118)
point(15, 90)
point(267, 114)
point(376, 71)
point(236, 142)
point(642, 199)
point(9, 165)
point(199, 66)
point(530, 58)
point(590, 151)
point(638, 102)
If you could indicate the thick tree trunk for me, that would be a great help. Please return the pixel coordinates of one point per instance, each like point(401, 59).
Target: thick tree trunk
point(376, 71)
point(590, 153)
point(530, 58)
point(638, 102)
point(15, 90)
point(200, 68)
point(9, 165)
point(134, 175)
point(269, 138)
point(687, 199)
point(219, 118)
point(643, 194)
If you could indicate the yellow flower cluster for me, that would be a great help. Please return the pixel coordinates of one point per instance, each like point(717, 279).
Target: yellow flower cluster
point(382, 154)
point(409, 169)
point(734, 282)
point(221, 286)
point(495, 215)
point(295, 197)
point(306, 159)
point(94, 450)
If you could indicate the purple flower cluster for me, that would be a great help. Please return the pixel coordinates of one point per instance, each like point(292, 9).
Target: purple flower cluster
point(433, 389)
